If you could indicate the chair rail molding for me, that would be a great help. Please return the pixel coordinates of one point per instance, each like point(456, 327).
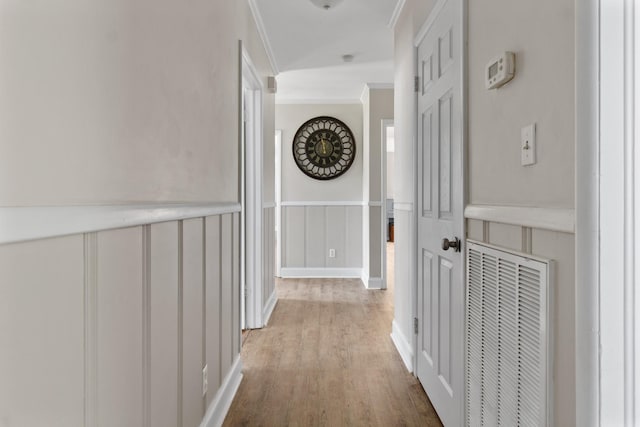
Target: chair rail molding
point(562, 220)
point(19, 224)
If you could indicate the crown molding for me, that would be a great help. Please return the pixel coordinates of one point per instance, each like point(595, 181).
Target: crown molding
point(396, 14)
point(263, 35)
point(316, 101)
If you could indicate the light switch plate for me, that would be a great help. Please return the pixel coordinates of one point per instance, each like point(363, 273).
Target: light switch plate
point(528, 145)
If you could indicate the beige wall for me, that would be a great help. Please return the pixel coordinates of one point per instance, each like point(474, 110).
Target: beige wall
point(296, 186)
point(542, 35)
point(309, 231)
point(122, 101)
point(113, 103)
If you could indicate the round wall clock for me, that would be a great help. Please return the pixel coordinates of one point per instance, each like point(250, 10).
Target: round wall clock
point(324, 148)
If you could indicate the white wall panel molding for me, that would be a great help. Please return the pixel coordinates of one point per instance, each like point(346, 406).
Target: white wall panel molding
point(562, 220)
point(403, 206)
point(375, 204)
point(324, 203)
point(268, 205)
point(396, 14)
point(218, 409)
point(19, 224)
point(403, 345)
point(313, 273)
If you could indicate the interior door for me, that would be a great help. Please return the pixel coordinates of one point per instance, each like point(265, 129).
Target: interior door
point(440, 355)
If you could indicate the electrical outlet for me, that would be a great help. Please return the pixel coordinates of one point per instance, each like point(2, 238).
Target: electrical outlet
point(205, 380)
point(528, 145)
point(332, 253)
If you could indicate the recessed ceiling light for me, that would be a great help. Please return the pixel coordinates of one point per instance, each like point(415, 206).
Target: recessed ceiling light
point(326, 4)
point(347, 58)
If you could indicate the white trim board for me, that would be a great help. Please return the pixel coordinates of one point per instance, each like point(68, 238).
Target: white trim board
point(319, 273)
point(19, 224)
point(268, 205)
point(562, 220)
point(257, 17)
point(396, 14)
point(324, 203)
point(317, 101)
point(402, 344)
point(269, 307)
point(373, 283)
point(220, 405)
point(403, 206)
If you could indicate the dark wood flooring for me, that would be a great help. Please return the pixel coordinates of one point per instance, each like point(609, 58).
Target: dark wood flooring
point(326, 359)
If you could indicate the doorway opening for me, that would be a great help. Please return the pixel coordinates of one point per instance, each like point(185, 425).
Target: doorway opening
point(251, 170)
point(388, 171)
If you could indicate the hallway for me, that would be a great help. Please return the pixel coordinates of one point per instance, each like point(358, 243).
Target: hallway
point(326, 359)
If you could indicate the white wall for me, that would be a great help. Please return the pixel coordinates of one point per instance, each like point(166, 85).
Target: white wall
point(390, 174)
point(320, 215)
point(541, 34)
point(296, 186)
point(122, 101)
point(116, 103)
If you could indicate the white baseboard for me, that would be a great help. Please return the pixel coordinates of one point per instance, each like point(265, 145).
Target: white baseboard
point(402, 345)
point(268, 308)
point(220, 405)
point(373, 282)
point(318, 273)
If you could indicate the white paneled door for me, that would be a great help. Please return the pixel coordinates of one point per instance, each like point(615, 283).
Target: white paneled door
point(440, 309)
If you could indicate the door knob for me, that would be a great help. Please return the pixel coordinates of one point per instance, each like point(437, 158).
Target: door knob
point(455, 244)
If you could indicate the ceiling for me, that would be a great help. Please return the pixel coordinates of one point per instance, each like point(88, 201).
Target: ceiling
point(306, 45)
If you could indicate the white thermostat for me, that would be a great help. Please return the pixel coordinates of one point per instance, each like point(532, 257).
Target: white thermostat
point(500, 70)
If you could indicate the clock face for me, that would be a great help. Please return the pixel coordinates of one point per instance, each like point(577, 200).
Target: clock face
point(324, 148)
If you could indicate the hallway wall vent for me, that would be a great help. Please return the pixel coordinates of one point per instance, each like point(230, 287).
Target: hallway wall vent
point(508, 336)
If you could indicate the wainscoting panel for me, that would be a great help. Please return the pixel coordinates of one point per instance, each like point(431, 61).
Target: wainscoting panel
point(269, 261)
point(293, 236)
point(335, 217)
point(310, 231)
point(546, 233)
point(42, 333)
point(114, 326)
point(192, 315)
point(375, 241)
point(163, 322)
point(227, 350)
point(213, 289)
point(315, 250)
point(120, 334)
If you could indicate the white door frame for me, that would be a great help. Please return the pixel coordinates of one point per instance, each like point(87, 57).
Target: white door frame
point(607, 213)
point(252, 176)
point(386, 123)
point(278, 145)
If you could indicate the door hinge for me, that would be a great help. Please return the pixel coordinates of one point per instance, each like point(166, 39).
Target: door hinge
point(416, 84)
point(415, 325)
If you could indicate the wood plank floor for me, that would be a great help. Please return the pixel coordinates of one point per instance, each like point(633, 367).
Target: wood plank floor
point(326, 359)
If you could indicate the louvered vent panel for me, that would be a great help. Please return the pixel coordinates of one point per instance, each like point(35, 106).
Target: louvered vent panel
point(507, 342)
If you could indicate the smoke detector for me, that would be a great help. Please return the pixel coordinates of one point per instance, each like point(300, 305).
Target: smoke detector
point(326, 4)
